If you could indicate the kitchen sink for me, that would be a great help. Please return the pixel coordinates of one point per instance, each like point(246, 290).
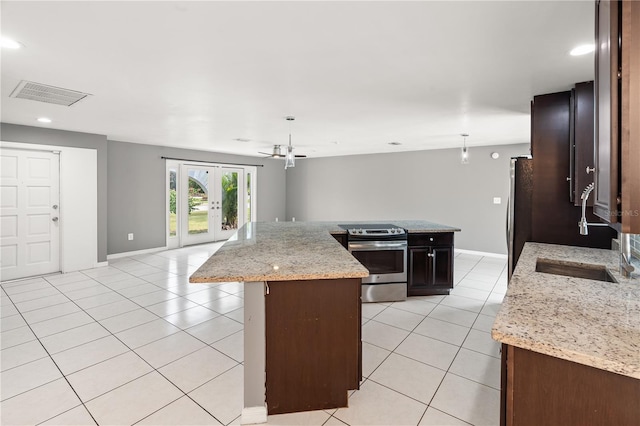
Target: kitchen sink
point(576, 270)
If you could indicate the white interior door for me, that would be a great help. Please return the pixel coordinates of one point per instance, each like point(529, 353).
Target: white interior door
point(29, 213)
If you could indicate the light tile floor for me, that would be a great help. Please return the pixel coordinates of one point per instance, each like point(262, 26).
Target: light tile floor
point(134, 343)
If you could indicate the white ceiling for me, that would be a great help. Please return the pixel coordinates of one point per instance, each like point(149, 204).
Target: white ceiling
point(357, 75)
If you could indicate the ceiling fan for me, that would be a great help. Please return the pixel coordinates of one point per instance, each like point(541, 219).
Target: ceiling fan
point(289, 156)
point(277, 152)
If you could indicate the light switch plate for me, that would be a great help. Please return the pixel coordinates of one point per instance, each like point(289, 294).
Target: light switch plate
point(497, 200)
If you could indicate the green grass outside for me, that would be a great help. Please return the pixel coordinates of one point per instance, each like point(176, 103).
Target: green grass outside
point(198, 222)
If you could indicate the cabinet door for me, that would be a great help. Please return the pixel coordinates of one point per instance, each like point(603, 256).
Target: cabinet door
point(630, 118)
point(430, 270)
point(582, 141)
point(606, 112)
point(419, 276)
point(441, 262)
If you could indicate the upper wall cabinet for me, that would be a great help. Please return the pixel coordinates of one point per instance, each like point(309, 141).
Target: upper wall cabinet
point(581, 141)
point(617, 109)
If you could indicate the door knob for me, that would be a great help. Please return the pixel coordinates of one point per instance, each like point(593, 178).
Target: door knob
point(54, 219)
point(55, 206)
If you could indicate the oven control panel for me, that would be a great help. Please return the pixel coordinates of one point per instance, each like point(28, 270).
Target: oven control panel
point(376, 232)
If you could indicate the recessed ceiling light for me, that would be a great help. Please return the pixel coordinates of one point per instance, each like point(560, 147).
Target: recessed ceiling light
point(9, 43)
point(582, 50)
point(242, 140)
point(44, 120)
point(395, 143)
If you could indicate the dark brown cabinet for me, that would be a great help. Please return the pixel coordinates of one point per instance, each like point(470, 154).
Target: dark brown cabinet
point(581, 164)
point(430, 264)
point(313, 343)
point(341, 238)
point(617, 114)
point(554, 218)
point(539, 389)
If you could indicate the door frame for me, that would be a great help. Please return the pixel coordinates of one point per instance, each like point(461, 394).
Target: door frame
point(177, 241)
point(78, 203)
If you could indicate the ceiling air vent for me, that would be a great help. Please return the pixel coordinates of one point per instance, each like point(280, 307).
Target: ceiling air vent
point(49, 94)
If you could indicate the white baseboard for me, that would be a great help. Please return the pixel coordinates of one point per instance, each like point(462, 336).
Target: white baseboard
point(482, 253)
point(101, 264)
point(253, 415)
point(135, 253)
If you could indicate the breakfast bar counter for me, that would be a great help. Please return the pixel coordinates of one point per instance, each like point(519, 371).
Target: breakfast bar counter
point(281, 251)
point(302, 314)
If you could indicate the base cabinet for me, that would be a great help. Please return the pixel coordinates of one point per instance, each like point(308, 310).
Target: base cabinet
point(539, 389)
point(313, 344)
point(430, 264)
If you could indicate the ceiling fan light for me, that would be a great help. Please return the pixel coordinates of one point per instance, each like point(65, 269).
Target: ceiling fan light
point(464, 155)
point(290, 159)
point(464, 151)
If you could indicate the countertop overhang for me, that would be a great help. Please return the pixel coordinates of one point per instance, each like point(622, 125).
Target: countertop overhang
point(290, 251)
point(586, 321)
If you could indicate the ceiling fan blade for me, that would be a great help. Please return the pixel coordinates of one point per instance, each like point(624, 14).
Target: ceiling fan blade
point(265, 153)
point(300, 156)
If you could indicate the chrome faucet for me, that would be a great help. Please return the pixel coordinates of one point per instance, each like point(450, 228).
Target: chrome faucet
point(626, 268)
point(583, 225)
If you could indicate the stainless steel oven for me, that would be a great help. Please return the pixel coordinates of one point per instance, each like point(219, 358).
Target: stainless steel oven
point(382, 249)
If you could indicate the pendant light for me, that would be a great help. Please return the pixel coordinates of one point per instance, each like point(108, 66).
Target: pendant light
point(464, 153)
point(290, 159)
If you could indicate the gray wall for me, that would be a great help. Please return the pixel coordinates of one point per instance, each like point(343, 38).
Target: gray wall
point(43, 136)
point(137, 196)
point(428, 185)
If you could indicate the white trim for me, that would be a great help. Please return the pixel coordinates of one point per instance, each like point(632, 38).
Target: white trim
point(101, 264)
point(482, 253)
point(135, 252)
point(253, 415)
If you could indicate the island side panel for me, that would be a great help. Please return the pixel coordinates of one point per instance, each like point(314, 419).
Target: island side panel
point(254, 410)
point(312, 343)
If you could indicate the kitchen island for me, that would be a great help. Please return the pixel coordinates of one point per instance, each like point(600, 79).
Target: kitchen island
point(571, 346)
point(302, 318)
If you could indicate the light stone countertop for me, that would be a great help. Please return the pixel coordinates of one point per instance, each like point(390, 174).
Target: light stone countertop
point(288, 251)
point(581, 320)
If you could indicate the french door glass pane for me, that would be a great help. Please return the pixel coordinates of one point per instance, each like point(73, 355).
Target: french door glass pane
point(248, 215)
point(172, 202)
point(229, 197)
point(198, 201)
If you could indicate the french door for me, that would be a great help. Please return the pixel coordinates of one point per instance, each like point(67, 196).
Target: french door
point(29, 213)
point(207, 202)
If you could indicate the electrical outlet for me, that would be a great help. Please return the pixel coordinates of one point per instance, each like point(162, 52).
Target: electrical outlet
point(130, 236)
point(497, 200)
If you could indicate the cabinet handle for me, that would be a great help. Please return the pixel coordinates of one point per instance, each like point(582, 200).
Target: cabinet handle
point(568, 179)
point(431, 255)
point(591, 169)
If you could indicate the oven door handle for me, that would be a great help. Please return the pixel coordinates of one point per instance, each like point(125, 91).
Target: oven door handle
point(377, 245)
